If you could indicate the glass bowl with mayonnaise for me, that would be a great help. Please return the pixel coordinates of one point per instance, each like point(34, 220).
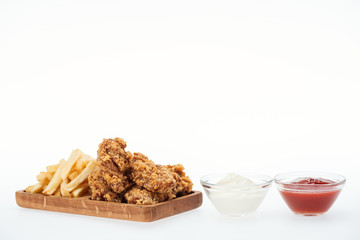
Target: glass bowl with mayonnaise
point(236, 194)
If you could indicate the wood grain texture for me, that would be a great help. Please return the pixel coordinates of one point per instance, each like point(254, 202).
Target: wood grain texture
point(85, 206)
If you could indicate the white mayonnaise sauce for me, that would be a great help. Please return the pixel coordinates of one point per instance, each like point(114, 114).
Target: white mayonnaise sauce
point(236, 195)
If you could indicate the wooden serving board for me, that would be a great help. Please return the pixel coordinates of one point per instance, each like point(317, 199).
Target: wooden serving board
point(85, 206)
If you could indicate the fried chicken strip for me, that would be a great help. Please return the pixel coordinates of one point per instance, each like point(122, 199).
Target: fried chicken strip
point(145, 174)
point(141, 196)
point(114, 164)
point(183, 183)
point(110, 179)
point(113, 151)
point(100, 189)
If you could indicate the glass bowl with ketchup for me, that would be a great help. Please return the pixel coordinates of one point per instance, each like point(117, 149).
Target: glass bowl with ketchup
point(309, 193)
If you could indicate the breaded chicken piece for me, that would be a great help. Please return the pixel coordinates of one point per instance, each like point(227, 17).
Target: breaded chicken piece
point(100, 190)
point(140, 196)
point(113, 150)
point(118, 182)
point(144, 173)
point(183, 183)
point(114, 164)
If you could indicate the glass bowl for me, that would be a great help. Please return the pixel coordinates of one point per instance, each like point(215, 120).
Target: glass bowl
point(236, 200)
point(309, 193)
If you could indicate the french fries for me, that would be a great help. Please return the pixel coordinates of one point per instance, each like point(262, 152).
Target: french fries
point(41, 177)
point(74, 156)
point(52, 168)
point(49, 176)
point(64, 192)
point(57, 192)
point(82, 188)
point(81, 178)
point(37, 188)
point(67, 178)
point(73, 175)
point(55, 181)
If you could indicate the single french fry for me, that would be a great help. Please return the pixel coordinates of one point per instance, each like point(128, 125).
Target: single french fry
point(29, 189)
point(41, 177)
point(80, 165)
point(81, 178)
point(56, 180)
point(37, 188)
point(80, 190)
point(52, 168)
point(49, 176)
point(83, 161)
point(86, 157)
point(74, 174)
point(57, 192)
point(63, 192)
point(74, 156)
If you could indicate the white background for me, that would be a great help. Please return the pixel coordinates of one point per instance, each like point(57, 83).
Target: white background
point(264, 86)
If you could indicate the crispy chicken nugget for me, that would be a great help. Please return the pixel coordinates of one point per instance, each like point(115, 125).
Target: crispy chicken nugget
point(145, 174)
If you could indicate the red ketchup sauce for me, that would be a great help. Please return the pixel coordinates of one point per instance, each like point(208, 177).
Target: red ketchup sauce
point(310, 196)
